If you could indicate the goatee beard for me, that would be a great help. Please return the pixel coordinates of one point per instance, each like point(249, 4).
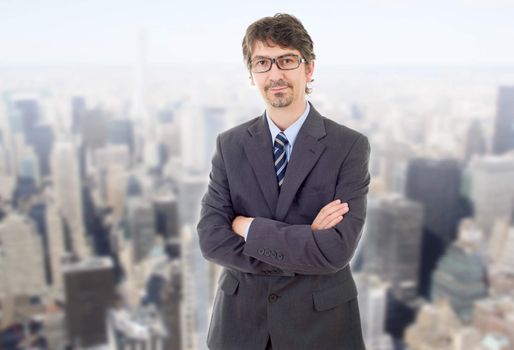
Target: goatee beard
point(279, 99)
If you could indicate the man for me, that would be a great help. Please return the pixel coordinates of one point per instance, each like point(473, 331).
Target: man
point(273, 212)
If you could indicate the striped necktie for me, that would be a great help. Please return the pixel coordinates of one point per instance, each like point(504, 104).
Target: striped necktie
point(280, 157)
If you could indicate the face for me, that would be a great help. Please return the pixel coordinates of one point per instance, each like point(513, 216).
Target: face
point(281, 88)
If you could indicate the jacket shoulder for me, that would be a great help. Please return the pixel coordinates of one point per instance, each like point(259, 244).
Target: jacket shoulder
point(343, 133)
point(239, 129)
point(236, 132)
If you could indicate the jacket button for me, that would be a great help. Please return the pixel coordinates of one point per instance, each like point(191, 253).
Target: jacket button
point(273, 255)
point(267, 252)
point(260, 251)
point(272, 297)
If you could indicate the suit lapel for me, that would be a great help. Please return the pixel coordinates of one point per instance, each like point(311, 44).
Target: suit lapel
point(306, 151)
point(259, 151)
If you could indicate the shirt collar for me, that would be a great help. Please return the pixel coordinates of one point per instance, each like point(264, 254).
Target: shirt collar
point(292, 131)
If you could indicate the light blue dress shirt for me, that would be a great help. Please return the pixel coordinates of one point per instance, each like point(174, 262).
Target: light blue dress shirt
point(291, 132)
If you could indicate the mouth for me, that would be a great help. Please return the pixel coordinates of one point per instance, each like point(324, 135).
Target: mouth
point(278, 88)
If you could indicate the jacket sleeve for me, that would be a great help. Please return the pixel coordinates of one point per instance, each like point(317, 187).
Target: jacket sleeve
point(218, 243)
point(300, 249)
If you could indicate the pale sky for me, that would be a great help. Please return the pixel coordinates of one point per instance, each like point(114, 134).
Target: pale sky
point(459, 32)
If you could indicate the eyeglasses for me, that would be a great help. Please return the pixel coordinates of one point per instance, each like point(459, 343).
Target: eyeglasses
point(286, 62)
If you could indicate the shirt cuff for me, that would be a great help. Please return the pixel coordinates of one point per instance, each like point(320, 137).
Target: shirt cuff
point(245, 234)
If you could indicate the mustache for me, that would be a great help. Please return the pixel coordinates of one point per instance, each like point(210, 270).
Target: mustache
point(277, 83)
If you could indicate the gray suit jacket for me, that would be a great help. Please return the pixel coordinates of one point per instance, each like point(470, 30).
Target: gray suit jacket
point(285, 281)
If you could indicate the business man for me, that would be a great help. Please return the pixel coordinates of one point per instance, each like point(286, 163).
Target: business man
point(284, 209)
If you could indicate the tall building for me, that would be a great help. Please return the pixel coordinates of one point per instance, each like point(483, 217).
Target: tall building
point(78, 107)
point(169, 306)
point(141, 224)
point(25, 112)
point(491, 189)
point(197, 297)
point(164, 290)
point(372, 308)
point(41, 138)
point(93, 127)
point(391, 245)
point(503, 139)
point(501, 260)
point(192, 140)
point(460, 276)
point(21, 257)
point(120, 132)
point(476, 144)
point(6, 142)
point(214, 120)
point(436, 185)
point(391, 249)
point(56, 249)
point(89, 286)
point(192, 187)
point(68, 193)
point(167, 218)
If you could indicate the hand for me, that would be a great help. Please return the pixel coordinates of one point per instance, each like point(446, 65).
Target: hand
point(240, 223)
point(330, 215)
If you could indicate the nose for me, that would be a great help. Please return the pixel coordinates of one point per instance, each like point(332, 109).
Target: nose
point(275, 73)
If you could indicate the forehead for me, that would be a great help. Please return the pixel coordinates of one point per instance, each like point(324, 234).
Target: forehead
point(271, 50)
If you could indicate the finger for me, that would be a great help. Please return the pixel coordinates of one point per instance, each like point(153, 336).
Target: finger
point(330, 205)
point(325, 216)
point(329, 211)
point(335, 202)
point(333, 222)
point(340, 211)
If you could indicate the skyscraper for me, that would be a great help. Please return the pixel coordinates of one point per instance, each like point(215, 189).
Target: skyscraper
point(56, 248)
point(501, 260)
point(372, 307)
point(436, 184)
point(21, 257)
point(68, 192)
point(141, 224)
point(391, 245)
point(476, 144)
point(492, 189)
point(460, 276)
point(503, 140)
point(89, 286)
point(391, 249)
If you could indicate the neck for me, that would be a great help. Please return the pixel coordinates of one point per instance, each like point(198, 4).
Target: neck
point(284, 117)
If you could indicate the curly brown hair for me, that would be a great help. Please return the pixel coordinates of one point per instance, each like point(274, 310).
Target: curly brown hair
point(283, 30)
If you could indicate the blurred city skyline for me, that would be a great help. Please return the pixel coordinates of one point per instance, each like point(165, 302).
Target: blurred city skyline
point(108, 117)
point(371, 32)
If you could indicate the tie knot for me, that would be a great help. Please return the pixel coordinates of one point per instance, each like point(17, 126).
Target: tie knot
point(281, 140)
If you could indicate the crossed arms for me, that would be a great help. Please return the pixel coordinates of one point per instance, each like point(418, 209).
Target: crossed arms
point(324, 247)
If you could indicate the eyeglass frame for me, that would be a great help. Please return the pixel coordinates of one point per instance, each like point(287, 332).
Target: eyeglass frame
point(274, 61)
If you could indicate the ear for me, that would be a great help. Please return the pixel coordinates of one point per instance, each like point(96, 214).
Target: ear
point(309, 71)
point(251, 79)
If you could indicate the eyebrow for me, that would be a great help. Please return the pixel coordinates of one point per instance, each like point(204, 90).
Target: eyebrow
point(286, 54)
